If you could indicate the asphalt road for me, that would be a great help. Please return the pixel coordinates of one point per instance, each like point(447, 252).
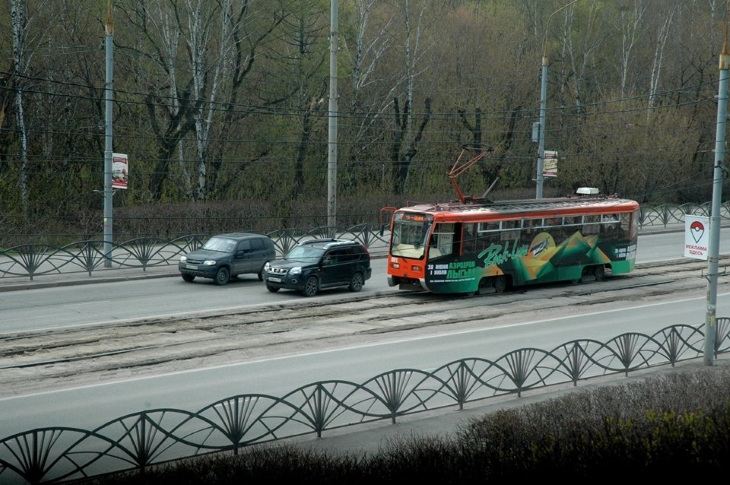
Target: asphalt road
point(59, 301)
point(92, 404)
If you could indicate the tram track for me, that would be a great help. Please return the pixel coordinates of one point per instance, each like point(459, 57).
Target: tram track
point(55, 358)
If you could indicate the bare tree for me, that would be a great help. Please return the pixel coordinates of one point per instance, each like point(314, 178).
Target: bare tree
point(579, 57)
point(408, 133)
point(630, 26)
point(246, 33)
point(170, 104)
point(371, 90)
point(658, 60)
point(200, 49)
point(23, 45)
point(18, 15)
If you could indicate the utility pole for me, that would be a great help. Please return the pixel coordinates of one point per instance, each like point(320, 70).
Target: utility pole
point(108, 193)
point(543, 108)
point(714, 246)
point(332, 161)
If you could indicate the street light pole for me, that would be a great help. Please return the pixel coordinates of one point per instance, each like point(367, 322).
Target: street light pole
point(108, 192)
point(332, 160)
point(543, 108)
point(541, 144)
point(713, 250)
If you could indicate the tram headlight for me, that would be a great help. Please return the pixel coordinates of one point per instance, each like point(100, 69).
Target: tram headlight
point(395, 265)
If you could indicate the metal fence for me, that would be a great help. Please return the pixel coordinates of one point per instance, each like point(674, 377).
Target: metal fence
point(147, 438)
point(32, 260)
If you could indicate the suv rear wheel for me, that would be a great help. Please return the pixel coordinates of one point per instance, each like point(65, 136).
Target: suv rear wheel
point(311, 286)
point(357, 282)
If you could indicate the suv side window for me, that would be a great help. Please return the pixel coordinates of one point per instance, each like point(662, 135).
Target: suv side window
point(349, 255)
point(357, 253)
point(337, 256)
point(257, 244)
point(244, 245)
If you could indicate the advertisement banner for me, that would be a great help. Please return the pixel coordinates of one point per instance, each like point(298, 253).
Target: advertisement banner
point(550, 164)
point(696, 236)
point(120, 174)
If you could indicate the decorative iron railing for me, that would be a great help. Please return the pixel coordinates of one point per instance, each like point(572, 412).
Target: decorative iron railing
point(31, 260)
point(146, 438)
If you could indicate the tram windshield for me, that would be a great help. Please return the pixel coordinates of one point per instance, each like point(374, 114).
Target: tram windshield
point(410, 235)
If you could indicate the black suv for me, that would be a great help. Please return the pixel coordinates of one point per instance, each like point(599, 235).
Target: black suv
point(226, 256)
point(320, 263)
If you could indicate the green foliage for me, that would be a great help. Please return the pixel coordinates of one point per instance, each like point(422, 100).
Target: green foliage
point(248, 118)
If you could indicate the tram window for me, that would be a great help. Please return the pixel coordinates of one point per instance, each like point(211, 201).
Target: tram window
point(591, 224)
point(488, 226)
point(510, 230)
point(530, 228)
point(571, 221)
point(527, 223)
point(443, 238)
point(469, 240)
point(625, 225)
point(625, 221)
point(609, 224)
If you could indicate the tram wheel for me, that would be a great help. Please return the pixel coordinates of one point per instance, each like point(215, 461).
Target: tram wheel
point(485, 286)
point(599, 272)
point(500, 284)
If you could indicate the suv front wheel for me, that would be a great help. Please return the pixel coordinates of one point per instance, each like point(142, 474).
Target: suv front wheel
point(357, 282)
point(222, 276)
point(311, 286)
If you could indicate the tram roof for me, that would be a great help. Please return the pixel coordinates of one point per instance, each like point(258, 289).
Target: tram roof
point(579, 204)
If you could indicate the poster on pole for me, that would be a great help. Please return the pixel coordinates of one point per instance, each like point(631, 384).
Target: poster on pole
point(550, 164)
point(120, 173)
point(696, 236)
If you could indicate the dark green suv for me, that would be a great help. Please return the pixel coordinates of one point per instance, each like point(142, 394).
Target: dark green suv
point(225, 256)
point(317, 264)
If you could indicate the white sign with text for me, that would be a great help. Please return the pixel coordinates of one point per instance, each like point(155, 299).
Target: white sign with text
point(696, 236)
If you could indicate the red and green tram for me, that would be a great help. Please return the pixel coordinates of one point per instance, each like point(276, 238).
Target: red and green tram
point(469, 248)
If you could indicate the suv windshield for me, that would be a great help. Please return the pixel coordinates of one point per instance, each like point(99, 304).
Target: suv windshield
point(305, 253)
point(220, 244)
